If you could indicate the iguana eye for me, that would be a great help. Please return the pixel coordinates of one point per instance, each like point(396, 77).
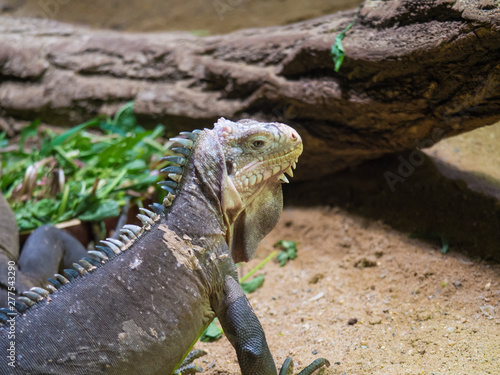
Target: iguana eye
point(229, 168)
point(257, 144)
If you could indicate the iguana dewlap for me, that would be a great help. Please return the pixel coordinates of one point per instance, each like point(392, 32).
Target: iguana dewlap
point(137, 306)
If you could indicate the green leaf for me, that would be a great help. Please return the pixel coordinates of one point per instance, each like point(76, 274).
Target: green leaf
point(136, 165)
point(118, 159)
point(288, 251)
point(434, 235)
point(61, 138)
point(337, 51)
point(252, 285)
point(257, 267)
point(111, 185)
point(3, 140)
point(212, 333)
point(29, 131)
point(100, 210)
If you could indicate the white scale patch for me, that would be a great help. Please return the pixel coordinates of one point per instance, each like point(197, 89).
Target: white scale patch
point(136, 263)
point(182, 248)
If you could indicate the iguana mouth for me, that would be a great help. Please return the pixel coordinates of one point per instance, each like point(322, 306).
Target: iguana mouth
point(263, 170)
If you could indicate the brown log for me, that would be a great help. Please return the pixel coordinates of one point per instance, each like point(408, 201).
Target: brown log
point(414, 72)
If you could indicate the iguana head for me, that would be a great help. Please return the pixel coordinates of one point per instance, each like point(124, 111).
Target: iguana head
point(256, 157)
point(239, 167)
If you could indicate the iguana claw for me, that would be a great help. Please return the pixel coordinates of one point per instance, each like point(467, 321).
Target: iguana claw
point(187, 367)
point(287, 368)
point(192, 368)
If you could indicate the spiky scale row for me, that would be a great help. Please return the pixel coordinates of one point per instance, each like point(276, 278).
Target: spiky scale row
point(184, 142)
point(27, 301)
point(145, 220)
point(35, 297)
point(182, 150)
point(172, 169)
point(151, 214)
point(134, 228)
point(44, 293)
point(180, 160)
point(168, 200)
point(36, 294)
point(80, 269)
point(61, 279)
point(175, 177)
point(88, 266)
point(158, 208)
point(20, 307)
point(168, 189)
point(98, 254)
point(191, 135)
point(116, 242)
point(171, 184)
point(50, 288)
point(55, 283)
point(71, 274)
point(112, 246)
point(105, 250)
point(128, 234)
point(6, 314)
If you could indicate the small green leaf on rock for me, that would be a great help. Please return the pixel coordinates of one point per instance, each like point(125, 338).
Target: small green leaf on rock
point(337, 51)
point(288, 251)
point(212, 333)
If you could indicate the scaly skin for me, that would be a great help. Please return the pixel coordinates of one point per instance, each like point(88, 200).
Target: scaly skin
point(139, 305)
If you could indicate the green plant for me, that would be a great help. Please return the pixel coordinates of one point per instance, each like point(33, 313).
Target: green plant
point(337, 51)
point(288, 251)
point(87, 172)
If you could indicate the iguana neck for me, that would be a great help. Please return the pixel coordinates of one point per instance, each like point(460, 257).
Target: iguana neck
point(195, 197)
point(200, 193)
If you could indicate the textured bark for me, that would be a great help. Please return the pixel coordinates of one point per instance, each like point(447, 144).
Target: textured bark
point(414, 72)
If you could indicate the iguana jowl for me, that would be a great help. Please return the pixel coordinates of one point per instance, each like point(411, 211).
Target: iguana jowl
point(137, 306)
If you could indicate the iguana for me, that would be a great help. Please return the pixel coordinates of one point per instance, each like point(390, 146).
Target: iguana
point(137, 305)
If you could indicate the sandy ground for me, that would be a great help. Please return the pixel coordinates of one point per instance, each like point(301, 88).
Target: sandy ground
point(418, 311)
point(199, 16)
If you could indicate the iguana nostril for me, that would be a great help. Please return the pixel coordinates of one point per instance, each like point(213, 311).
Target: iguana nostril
point(294, 135)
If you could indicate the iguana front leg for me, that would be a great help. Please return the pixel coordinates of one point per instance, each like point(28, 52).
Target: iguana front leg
point(243, 329)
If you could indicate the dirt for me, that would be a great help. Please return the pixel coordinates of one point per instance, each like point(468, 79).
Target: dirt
point(198, 16)
point(414, 309)
point(418, 311)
